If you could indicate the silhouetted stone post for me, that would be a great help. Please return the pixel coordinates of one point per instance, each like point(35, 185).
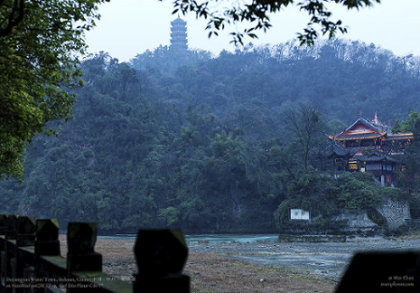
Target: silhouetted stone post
point(161, 256)
point(25, 263)
point(4, 226)
point(11, 230)
point(25, 231)
point(382, 271)
point(46, 237)
point(31, 260)
point(11, 257)
point(47, 244)
point(81, 257)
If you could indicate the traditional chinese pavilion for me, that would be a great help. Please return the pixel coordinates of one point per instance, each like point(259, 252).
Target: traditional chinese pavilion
point(368, 146)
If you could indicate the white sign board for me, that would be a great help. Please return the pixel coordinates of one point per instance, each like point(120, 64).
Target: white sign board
point(298, 214)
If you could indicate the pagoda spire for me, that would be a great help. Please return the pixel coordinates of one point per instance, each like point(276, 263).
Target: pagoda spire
point(179, 35)
point(376, 120)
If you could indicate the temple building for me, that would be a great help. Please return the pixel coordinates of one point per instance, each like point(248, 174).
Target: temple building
point(179, 35)
point(368, 146)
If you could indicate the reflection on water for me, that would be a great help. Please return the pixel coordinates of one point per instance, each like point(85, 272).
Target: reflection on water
point(242, 238)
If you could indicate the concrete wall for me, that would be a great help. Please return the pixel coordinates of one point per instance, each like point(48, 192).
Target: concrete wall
point(395, 212)
point(357, 221)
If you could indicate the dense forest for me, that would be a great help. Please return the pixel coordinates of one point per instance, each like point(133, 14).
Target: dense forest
point(212, 144)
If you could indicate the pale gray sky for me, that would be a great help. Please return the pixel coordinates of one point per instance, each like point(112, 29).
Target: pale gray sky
point(130, 27)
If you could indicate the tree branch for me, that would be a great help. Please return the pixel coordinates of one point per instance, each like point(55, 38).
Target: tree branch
point(18, 7)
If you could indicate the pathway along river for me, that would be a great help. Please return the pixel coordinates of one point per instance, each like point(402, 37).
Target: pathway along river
point(327, 260)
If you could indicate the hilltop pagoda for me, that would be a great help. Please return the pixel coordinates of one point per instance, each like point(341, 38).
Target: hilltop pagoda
point(179, 35)
point(368, 146)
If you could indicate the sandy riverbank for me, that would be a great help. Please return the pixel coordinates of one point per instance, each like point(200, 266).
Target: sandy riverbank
point(259, 266)
point(213, 272)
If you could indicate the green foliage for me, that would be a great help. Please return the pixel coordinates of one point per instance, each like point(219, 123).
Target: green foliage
point(281, 215)
point(412, 124)
point(170, 61)
point(409, 178)
point(396, 194)
point(414, 202)
point(358, 191)
point(162, 167)
point(335, 126)
point(397, 126)
point(311, 192)
point(256, 14)
point(38, 44)
point(325, 197)
point(305, 123)
point(204, 145)
point(169, 216)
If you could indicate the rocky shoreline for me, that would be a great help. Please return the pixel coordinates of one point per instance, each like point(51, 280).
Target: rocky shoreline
point(327, 260)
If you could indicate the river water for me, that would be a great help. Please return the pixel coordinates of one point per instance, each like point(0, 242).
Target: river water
point(242, 238)
point(327, 260)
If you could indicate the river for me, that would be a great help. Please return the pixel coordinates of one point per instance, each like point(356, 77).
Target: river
point(242, 238)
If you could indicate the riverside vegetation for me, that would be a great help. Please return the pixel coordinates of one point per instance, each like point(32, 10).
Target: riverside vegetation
point(183, 139)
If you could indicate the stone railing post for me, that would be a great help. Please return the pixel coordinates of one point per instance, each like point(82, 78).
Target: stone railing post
point(161, 256)
point(11, 229)
point(46, 244)
point(4, 226)
point(25, 266)
point(46, 237)
point(11, 251)
point(81, 255)
point(25, 235)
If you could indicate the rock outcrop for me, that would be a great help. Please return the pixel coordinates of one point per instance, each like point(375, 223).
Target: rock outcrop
point(395, 213)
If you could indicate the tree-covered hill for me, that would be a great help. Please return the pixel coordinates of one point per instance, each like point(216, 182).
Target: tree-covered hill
point(201, 143)
point(338, 77)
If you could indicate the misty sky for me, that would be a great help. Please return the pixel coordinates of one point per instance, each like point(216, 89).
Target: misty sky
point(130, 27)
